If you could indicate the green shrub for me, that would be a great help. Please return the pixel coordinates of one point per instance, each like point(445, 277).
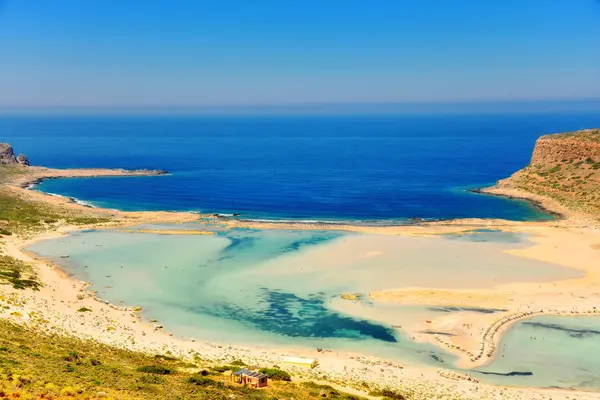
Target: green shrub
point(326, 391)
point(186, 365)
point(12, 271)
point(73, 356)
point(330, 391)
point(223, 368)
point(276, 374)
point(388, 394)
point(555, 169)
point(95, 362)
point(84, 309)
point(152, 379)
point(200, 380)
point(155, 369)
point(166, 358)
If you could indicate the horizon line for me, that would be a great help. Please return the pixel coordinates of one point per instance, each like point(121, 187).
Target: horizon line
point(400, 107)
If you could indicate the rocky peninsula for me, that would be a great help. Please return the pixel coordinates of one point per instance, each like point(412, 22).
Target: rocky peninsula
point(564, 168)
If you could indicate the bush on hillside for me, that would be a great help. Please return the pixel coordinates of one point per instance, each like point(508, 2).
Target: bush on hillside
point(155, 369)
point(276, 374)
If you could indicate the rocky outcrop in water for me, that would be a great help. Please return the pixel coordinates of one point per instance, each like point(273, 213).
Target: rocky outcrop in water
point(7, 156)
point(565, 167)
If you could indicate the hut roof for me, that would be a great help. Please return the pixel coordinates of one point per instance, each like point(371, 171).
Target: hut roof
point(252, 374)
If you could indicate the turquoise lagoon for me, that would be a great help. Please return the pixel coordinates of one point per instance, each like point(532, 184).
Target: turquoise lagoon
point(559, 351)
point(281, 289)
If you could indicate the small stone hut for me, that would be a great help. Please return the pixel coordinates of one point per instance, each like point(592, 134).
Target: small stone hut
point(250, 378)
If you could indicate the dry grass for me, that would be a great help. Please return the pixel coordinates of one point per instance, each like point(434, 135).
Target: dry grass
point(34, 365)
point(575, 184)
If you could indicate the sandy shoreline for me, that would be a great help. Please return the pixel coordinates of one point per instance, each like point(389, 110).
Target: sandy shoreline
point(570, 241)
point(19, 183)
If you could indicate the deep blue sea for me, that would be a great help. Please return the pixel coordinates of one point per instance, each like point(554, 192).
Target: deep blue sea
point(294, 167)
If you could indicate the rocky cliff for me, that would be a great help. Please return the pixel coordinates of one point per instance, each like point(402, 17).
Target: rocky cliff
point(7, 156)
point(565, 167)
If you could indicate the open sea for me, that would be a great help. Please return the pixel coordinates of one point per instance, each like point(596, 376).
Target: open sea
point(294, 167)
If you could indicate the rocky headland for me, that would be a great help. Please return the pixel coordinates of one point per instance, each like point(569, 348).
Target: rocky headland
point(7, 156)
point(564, 167)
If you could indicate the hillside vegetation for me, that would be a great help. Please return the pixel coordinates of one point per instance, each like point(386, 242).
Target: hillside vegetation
point(21, 215)
point(565, 167)
point(37, 366)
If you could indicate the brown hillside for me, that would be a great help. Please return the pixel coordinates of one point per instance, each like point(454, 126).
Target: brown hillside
point(566, 167)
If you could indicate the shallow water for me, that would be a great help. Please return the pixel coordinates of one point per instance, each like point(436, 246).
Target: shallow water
point(196, 286)
point(557, 352)
point(281, 288)
point(489, 235)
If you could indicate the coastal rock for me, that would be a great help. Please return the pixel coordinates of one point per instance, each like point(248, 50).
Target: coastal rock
point(567, 147)
point(144, 171)
point(566, 168)
point(7, 156)
point(22, 159)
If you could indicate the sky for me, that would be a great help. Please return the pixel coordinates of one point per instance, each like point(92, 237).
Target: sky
point(130, 53)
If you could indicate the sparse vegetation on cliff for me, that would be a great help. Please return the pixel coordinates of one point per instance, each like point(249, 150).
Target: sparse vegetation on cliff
point(592, 135)
point(565, 167)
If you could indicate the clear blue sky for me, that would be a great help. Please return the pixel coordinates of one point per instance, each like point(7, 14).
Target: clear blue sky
point(226, 52)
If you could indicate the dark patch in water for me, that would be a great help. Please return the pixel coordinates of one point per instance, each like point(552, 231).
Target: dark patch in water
point(289, 315)
point(438, 333)
point(472, 309)
point(575, 333)
point(436, 358)
point(512, 373)
point(235, 243)
point(239, 244)
point(298, 244)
